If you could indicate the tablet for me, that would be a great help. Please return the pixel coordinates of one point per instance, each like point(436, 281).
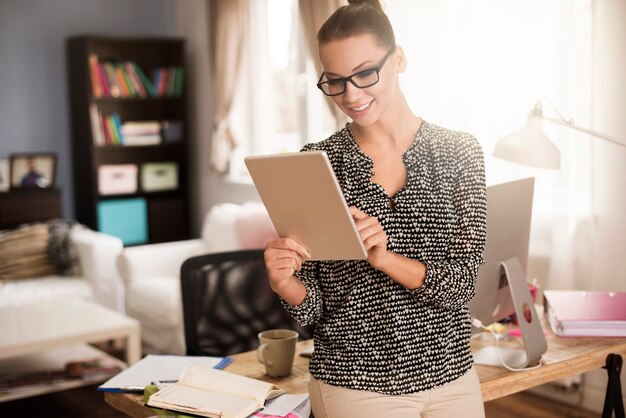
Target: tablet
point(305, 203)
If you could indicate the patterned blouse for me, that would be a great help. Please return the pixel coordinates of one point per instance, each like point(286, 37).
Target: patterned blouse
point(371, 333)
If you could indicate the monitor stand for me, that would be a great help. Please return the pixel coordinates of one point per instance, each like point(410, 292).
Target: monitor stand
point(530, 326)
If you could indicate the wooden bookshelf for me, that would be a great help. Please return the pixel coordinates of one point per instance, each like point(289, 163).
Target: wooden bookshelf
point(158, 215)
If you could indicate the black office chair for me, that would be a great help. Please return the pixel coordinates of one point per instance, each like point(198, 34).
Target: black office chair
point(227, 301)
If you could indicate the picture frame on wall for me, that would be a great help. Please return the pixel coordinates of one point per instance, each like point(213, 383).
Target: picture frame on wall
point(33, 170)
point(5, 179)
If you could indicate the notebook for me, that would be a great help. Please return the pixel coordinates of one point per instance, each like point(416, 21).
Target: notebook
point(305, 203)
point(586, 313)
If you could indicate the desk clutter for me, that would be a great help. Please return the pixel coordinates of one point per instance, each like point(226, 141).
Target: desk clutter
point(197, 385)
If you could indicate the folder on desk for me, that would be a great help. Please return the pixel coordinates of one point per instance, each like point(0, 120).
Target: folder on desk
point(157, 368)
point(586, 313)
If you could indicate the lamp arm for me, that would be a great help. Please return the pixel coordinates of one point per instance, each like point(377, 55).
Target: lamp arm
point(570, 124)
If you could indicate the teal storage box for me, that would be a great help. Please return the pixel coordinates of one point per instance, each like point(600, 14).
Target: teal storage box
point(126, 219)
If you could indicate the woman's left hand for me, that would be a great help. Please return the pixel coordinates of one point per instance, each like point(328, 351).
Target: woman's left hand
point(373, 236)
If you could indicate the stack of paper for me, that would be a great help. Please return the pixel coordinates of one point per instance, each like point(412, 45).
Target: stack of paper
point(585, 313)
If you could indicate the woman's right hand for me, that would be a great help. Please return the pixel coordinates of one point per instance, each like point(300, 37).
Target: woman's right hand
point(283, 257)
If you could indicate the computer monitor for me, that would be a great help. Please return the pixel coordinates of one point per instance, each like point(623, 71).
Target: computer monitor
point(501, 287)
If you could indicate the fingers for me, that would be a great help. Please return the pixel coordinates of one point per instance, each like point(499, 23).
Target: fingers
point(283, 257)
point(290, 245)
point(371, 231)
point(357, 214)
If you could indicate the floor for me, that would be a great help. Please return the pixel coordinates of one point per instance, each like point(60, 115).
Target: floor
point(87, 402)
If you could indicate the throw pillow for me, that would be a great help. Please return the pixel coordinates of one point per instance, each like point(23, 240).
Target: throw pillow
point(254, 226)
point(62, 249)
point(24, 253)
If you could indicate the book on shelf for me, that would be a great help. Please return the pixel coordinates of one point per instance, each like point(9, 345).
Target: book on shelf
point(144, 79)
point(214, 393)
point(114, 88)
point(96, 84)
point(114, 78)
point(134, 79)
point(585, 313)
point(96, 125)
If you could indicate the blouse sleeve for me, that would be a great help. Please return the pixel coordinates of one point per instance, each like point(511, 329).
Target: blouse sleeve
point(310, 310)
point(450, 283)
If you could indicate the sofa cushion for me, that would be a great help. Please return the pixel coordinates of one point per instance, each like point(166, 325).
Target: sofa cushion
point(24, 253)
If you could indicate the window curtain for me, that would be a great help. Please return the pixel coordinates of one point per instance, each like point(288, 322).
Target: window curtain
point(229, 26)
point(313, 13)
point(479, 67)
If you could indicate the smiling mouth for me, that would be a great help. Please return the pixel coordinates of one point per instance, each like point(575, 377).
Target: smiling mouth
point(361, 108)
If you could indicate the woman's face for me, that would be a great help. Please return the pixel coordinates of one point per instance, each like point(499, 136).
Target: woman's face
point(346, 57)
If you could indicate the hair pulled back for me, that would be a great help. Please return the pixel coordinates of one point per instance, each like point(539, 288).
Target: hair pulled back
point(357, 18)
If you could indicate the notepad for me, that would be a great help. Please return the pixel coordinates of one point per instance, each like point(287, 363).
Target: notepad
point(208, 392)
point(157, 368)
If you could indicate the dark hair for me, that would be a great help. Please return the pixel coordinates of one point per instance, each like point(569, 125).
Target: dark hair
point(357, 18)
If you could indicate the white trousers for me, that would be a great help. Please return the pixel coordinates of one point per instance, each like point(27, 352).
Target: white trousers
point(459, 398)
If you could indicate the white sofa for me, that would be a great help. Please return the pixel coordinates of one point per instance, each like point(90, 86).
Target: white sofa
point(151, 273)
point(98, 281)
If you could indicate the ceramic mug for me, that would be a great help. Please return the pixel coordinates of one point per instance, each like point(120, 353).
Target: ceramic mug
point(276, 351)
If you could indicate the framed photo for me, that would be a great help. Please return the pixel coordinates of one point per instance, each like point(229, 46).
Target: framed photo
point(33, 171)
point(5, 183)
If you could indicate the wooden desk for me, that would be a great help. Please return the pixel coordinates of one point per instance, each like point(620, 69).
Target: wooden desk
point(565, 357)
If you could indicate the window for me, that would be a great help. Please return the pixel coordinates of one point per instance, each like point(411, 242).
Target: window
point(278, 107)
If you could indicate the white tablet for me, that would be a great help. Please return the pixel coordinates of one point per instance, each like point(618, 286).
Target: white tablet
point(304, 201)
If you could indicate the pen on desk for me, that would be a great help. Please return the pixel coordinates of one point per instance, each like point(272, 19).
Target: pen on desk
point(132, 389)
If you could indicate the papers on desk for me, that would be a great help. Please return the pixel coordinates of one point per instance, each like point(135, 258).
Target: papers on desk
point(161, 368)
point(586, 313)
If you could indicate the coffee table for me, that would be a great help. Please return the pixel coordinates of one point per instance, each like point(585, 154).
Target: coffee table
point(29, 333)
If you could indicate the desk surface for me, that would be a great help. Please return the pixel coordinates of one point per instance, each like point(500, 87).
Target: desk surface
point(565, 357)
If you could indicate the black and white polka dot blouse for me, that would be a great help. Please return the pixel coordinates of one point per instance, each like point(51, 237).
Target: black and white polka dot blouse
point(371, 333)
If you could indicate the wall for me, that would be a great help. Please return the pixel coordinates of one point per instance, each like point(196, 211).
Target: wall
point(34, 107)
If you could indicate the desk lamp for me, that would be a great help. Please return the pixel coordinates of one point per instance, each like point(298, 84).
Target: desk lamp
point(530, 146)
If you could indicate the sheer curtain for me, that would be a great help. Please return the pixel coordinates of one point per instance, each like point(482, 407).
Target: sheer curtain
point(313, 14)
point(480, 67)
point(228, 22)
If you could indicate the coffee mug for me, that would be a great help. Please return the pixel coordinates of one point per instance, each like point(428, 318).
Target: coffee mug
point(276, 351)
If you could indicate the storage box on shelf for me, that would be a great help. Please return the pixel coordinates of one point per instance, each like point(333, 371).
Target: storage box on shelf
point(129, 137)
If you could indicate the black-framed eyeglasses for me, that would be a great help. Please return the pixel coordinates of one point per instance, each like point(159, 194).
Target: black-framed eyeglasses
point(362, 79)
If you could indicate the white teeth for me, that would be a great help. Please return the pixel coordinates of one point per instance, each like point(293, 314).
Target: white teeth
point(358, 109)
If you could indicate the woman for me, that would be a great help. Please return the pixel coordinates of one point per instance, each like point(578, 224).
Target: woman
point(392, 332)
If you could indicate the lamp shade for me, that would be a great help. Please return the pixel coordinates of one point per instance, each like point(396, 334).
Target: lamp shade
point(529, 146)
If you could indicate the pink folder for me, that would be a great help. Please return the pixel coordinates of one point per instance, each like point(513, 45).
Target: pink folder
point(586, 313)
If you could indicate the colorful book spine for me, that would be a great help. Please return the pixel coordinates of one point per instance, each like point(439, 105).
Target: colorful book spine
point(144, 80)
point(106, 88)
point(96, 85)
point(112, 77)
point(134, 79)
point(178, 87)
point(117, 122)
